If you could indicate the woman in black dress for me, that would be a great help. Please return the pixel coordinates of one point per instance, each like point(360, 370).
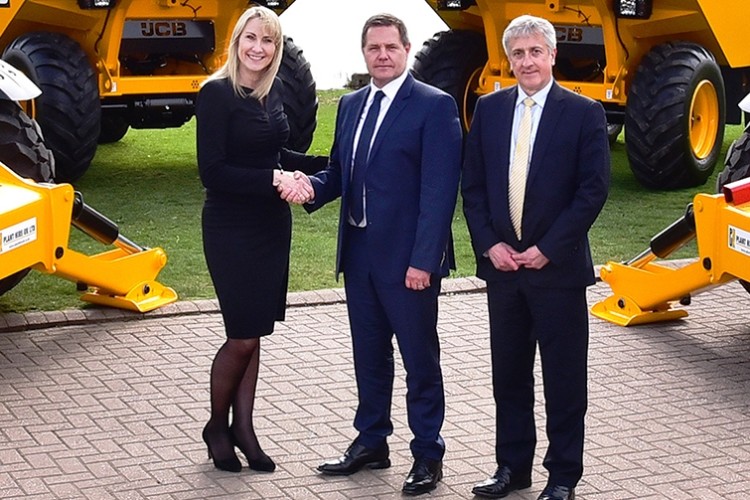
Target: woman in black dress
point(241, 132)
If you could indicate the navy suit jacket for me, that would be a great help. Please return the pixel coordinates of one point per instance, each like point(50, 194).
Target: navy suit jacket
point(411, 183)
point(566, 186)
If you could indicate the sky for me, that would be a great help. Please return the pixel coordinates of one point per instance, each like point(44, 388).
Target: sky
point(328, 32)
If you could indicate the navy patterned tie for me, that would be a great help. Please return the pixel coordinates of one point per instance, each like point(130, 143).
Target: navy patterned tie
point(356, 190)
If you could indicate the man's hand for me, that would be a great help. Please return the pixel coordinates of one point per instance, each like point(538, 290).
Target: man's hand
point(502, 257)
point(416, 279)
point(294, 187)
point(304, 185)
point(531, 258)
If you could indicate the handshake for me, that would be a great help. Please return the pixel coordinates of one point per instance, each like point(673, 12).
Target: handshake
point(293, 187)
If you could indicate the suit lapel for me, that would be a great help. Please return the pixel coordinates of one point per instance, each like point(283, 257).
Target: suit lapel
point(505, 130)
point(395, 109)
point(349, 128)
point(553, 110)
point(501, 129)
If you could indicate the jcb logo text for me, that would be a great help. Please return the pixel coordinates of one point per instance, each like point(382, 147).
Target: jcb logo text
point(163, 28)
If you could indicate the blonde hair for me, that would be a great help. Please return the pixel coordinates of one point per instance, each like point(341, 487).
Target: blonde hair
point(231, 68)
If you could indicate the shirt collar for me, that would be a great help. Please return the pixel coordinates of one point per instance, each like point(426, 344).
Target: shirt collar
point(539, 98)
point(390, 89)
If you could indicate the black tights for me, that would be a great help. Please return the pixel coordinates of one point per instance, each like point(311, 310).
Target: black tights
point(234, 377)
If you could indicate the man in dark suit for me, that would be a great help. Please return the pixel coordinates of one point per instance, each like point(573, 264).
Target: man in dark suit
point(532, 249)
point(394, 246)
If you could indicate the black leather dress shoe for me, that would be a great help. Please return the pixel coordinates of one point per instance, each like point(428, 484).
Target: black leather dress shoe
point(502, 483)
point(423, 476)
point(355, 458)
point(557, 492)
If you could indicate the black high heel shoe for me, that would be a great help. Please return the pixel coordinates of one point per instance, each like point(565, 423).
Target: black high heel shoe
point(231, 464)
point(262, 464)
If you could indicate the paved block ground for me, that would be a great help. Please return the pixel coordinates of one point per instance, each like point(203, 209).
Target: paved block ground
point(105, 404)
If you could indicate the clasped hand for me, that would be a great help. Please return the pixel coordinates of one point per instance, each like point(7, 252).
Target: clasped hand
point(294, 187)
point(506, 258)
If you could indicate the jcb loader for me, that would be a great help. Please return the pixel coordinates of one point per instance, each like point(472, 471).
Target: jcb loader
point(671, 71)
point(105, 66)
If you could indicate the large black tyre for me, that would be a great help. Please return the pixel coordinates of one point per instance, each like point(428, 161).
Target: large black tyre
point(674, 120)
point(737, 162)
point(300, 96)
point(23, 151)
point(452, 61)
point(736, 168)
point(22, 148)
point(113, 127)
point(68, 110)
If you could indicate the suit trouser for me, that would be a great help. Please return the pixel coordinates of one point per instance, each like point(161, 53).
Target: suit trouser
point(522, 316)
point(378, 310)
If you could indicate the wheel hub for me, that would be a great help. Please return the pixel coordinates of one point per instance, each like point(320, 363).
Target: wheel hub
point(704, 119)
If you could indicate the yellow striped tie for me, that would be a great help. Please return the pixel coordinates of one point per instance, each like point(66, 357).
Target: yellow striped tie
point(517, 181)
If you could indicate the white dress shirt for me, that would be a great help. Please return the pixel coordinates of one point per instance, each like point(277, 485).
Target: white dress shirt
point(540, 98)
point(390, 90)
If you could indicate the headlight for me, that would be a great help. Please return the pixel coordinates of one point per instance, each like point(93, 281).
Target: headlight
point(96, 4)
point(636, 9)
point(273, 4)
point(455, 4)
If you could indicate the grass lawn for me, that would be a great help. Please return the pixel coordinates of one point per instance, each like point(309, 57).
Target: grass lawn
point(148, 184)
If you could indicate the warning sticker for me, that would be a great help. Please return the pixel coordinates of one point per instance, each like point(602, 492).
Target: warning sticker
point(18, 235)
point(739, 240)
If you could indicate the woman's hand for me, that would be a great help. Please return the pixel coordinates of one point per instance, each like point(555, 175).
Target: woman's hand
point(293, 187)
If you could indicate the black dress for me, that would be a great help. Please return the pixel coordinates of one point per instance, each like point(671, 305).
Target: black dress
point(246, 226)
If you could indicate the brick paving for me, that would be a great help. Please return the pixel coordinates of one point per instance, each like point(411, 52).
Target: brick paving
point(101, 404)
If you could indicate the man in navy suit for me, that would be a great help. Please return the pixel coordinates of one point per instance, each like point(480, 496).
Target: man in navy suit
point(394, 246)
point(536, 261)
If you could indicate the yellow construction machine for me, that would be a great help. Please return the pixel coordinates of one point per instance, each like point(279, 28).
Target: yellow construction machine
point(35, 221)
point(36, 217)
point(646, 291)
point(671, 71)
point(105, 66)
